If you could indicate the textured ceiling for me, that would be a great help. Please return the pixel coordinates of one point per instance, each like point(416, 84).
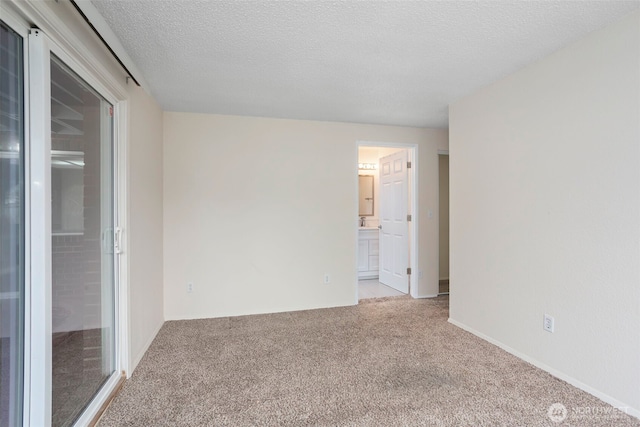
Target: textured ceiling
point(396, 62)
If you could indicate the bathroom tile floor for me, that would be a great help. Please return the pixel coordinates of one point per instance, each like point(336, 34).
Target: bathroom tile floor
point(372, 288)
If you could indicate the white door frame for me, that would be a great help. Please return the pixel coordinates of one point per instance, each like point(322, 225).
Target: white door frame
point(39, 355)
point(412, 150)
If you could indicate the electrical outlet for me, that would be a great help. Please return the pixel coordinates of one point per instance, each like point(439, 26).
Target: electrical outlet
point(327, 278)
point(189, 287)
point(548, 323)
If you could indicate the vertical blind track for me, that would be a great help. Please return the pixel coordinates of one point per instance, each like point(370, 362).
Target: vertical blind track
point(103, 41)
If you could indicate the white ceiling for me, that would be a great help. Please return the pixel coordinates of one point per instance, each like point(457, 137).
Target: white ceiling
point(395, 62)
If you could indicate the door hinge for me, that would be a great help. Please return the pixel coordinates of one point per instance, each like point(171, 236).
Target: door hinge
point(408, 165)
point(408, 271)
point(409, 218)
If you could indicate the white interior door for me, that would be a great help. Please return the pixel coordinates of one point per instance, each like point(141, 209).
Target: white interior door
point(394, 247)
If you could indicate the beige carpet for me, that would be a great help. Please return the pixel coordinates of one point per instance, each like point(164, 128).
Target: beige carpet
point(386, 362)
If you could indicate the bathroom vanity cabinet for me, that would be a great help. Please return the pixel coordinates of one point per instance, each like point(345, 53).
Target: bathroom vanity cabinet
point(368, 253)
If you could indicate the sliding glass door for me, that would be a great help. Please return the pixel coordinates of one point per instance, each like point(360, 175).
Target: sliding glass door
point(12, 226)
point(59, 315)
point(82, 243)
point(58, 263)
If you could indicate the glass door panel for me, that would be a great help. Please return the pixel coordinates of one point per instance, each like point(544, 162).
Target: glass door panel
point(82, 223)
point(12, 227)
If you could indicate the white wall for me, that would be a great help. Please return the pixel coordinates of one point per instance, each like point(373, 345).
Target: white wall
point(256, 210)
point(145, 222)
point(545, 185)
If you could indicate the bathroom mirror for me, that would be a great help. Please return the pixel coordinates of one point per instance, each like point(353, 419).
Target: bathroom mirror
point(365, 195)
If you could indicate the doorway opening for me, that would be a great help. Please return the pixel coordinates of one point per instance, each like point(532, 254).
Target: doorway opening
point(443, 240)
point(386, 223)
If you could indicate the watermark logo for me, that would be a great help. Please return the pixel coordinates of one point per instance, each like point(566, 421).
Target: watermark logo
point(557, 412)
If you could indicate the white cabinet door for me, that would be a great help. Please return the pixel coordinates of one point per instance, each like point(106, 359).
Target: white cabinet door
point(373, 254)
point(363, 255)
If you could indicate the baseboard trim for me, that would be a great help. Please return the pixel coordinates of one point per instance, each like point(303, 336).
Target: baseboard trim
point(172, 318)
point(635, 412)
point(146, 346)
point(426, 296)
